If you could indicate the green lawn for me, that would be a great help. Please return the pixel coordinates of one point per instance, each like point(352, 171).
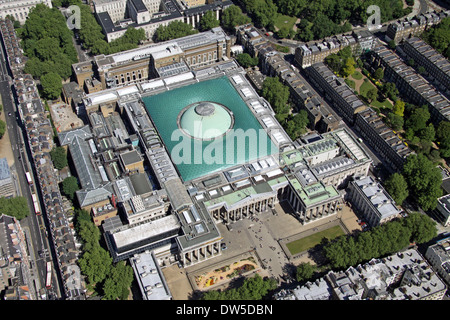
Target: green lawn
point(306, 243)
point(365, 87)
point(357, 75)
point(285, 21)
point(382, 105)
point(350, 83)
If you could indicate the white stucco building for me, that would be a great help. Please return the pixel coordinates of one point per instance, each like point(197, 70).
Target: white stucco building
point(20, 9)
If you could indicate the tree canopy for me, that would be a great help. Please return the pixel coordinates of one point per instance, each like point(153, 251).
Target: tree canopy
point(397, 187)
point(305, 271)
point(263, 13)
point(322, 18)
point(173, 30)
point(254, 288)
point(59, 157)
point(208, 21)
point(382, 240)
point(232, 17)
point(438, 36)
point(246, 60)
point(51, 85)
point(70, 186)
point(16, 207)
point(47, 42)
point(424, 180)
point(2, 128)
point(443, 137)
point(109, 280)
point(276, 93)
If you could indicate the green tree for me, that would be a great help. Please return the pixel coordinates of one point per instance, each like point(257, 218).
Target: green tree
point(51, 85)
point(16, 207)
point(418, 119)
point(427, 133)
point(246, 61)
point(379, 74)
point(304, 32)
point(283, 32)
point(276, 93)
point(59, 157)
point(174, 30)
point(443, 137)
point(291, 7)
point(2, 128)
point(399, 108)
point(233, 17)
point(334, 62)
point(89, 234)
point(348, 67)
point(95, 264)
point(392, 45)
point(208, 21)
point(254, 288)
point(421, 70)
point(117, 284)
point(295, 126)
point(305, 271)
point(395, 121)
point(421, 227)
point(424, 181)
point(70, 186)
point(264, 13)
point(438, 36)
point(397, 187)
point(47, 39)
point(389, 90)
point(372, 94)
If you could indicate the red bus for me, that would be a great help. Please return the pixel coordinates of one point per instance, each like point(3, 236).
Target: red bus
point(28, 175)
point(48, 282)
point(37, 210)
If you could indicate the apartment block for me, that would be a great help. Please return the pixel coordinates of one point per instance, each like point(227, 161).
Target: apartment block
point(339, 95)
point(402, 276)
point(438, 255)
point(20, 9)
point(372, 201)
point(413, 86)
point(382, 138)
point(407, 28)
point(311, 53)
point(437, 66)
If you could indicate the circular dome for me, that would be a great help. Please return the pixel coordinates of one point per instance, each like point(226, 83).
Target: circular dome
point(205, 120)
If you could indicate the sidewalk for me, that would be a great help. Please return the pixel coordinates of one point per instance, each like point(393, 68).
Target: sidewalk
point(5, 144)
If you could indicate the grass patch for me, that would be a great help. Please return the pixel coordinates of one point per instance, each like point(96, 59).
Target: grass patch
point(282, 48)
point(350, 83)
point(306, 243)
point(285, 21)
point(365, 86)
point(386, 104)
point(357, 75)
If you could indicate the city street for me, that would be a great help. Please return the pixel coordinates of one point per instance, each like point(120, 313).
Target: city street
point(32, 224)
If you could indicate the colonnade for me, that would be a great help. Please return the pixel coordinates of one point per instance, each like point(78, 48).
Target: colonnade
point(309, 214)
point(194, 20)
point(247, 210)
point(201, 254)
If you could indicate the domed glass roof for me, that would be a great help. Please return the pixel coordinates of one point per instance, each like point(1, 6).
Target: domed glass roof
point(205, 120)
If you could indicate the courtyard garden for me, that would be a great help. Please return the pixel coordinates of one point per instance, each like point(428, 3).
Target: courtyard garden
point(226, 272)
point(303, 244)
